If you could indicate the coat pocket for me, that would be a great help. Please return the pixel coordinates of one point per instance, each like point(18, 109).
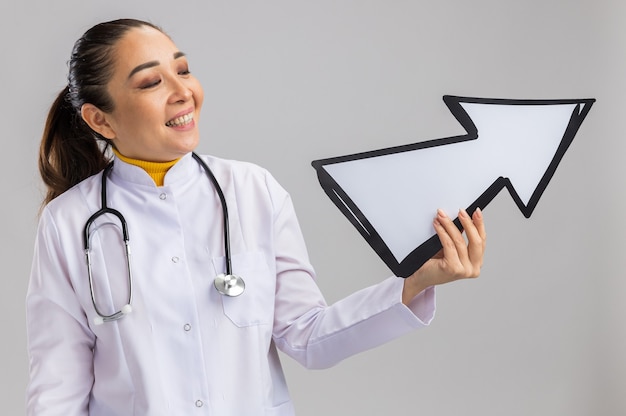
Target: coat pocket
point(255, 306)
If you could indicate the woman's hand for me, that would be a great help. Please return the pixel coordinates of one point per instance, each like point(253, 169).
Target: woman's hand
point(458, 258)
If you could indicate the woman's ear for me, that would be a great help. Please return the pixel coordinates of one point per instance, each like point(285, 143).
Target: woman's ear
point(97, 120)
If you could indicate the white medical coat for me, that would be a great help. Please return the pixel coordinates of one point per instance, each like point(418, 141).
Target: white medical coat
point(185, 349)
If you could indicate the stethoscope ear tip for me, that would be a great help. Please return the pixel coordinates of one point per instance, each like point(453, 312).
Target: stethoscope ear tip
point(98, 320)
point(126, 309)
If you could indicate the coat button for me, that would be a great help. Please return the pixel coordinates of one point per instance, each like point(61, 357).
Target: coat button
point(199, 403)
point(187, 327)
point(163, 196)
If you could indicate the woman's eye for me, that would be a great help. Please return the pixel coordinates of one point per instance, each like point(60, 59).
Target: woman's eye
point(150, 84)
point(185, 71)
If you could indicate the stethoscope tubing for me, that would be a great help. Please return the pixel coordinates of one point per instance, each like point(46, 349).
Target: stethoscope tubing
point(102, 211)
point(220, 194)
point(226, 284)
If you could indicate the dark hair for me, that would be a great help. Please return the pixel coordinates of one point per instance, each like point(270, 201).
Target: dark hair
point(70, 150)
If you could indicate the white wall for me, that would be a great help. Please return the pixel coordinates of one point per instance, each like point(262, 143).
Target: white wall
point(287, 82)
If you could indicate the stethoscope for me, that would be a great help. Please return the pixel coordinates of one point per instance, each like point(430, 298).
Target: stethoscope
point(226, 284)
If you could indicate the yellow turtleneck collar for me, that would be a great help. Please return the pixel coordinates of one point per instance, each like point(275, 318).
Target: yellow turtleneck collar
point(156, 170)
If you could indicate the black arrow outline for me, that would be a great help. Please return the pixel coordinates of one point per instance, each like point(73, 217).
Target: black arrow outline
point(430, 247)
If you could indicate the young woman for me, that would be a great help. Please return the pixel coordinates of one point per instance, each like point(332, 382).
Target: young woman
point(155, 334)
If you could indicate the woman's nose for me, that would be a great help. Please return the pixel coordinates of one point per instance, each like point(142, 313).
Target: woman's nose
point(180, 91)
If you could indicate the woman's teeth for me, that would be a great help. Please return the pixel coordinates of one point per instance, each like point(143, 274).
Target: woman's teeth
point(180, 121)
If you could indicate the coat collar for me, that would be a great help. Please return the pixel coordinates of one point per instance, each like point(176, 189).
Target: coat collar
point(181, 171)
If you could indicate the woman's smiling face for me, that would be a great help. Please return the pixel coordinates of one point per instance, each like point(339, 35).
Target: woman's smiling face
point(156, 100)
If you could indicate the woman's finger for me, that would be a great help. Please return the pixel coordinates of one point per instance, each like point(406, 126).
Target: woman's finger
point(451, 240)
point(475, 230)
point(480, 226)
point(455, 235)
point(479, 223)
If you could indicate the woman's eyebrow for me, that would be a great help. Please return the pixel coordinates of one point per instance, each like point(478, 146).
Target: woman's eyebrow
point(151, 64)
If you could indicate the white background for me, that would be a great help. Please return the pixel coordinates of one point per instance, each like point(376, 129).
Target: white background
point(286, 82)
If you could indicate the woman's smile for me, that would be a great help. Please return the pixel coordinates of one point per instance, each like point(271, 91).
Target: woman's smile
point(181, 121)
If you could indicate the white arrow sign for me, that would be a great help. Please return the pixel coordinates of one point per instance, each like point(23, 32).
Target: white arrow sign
point(391, 195)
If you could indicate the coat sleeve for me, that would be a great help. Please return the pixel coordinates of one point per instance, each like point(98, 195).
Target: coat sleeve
point(60, 343)
point(318, 335)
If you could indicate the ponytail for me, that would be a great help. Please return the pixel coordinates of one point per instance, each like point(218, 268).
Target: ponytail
point(70, 150)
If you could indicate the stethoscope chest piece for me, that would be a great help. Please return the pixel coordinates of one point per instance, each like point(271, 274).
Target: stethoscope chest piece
point(229, 284)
